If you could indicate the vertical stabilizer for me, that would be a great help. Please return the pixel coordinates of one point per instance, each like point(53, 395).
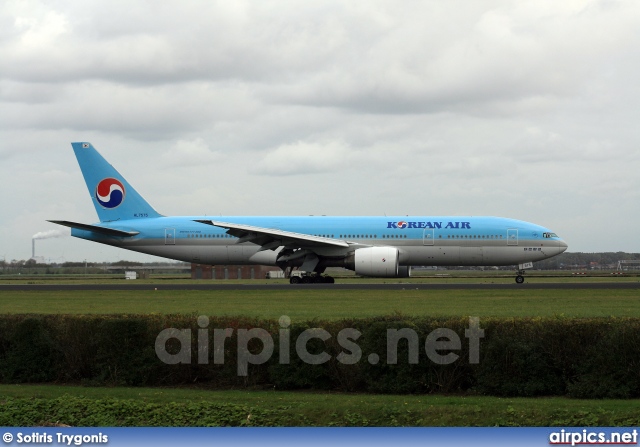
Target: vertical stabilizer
point(113, 197)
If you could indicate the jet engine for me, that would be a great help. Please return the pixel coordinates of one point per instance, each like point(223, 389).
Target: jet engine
point(382, 262)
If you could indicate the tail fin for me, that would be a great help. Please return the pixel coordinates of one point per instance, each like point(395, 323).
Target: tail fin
point(113, 197)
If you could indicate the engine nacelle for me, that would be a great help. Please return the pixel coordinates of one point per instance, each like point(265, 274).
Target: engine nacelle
point(381, 262)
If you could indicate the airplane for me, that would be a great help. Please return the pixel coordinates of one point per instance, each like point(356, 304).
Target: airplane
point(381, 246)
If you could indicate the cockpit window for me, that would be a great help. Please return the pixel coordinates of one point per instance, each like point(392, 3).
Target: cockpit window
point(549, 235)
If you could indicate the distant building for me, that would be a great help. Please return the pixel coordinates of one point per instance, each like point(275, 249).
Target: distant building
point(202, 271)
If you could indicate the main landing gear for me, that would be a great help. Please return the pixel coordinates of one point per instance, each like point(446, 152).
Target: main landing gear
point(311, 279)
point(519, 277)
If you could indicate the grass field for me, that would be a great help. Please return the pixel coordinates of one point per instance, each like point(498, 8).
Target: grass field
point(192, 407)
point(305, 304)
point(310, 408)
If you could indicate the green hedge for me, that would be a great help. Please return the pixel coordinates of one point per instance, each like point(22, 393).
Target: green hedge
point(584, 358)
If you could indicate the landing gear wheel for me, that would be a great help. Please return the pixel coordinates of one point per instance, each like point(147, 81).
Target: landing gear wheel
point(329, 280)
point(294, 280)
point(519, 279)
point(305, 280)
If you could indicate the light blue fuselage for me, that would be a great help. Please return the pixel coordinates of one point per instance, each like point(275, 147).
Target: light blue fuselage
point(425, 240)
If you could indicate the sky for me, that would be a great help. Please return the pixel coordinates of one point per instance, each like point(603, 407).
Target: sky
point(521, 109)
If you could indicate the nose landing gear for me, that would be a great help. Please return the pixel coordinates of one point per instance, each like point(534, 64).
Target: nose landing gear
point(519, 277)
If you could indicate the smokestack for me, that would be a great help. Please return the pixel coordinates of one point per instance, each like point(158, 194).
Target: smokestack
point(46, 235)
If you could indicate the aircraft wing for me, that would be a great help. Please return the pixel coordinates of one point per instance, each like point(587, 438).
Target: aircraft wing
point(270, 238)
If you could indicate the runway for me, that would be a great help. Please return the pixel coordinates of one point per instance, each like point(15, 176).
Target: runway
point(337, 286)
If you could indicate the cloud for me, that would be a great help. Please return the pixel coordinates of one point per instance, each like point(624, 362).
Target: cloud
point(522, 109)
point(147, 113)
point(495, 55)
point(189, 153)
point(302, 158)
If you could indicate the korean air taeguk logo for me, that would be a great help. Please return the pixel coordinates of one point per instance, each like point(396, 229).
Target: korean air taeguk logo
point(110, 193)
point(402, 224)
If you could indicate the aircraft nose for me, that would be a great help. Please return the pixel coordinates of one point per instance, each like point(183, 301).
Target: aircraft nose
point(562, 246)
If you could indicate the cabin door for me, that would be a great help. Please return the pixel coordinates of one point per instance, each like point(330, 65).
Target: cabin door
point(428, 236)
point(512, 237)
point(169, 236)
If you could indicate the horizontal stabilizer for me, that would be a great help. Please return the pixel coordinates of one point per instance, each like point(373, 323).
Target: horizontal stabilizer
point(95, 228)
